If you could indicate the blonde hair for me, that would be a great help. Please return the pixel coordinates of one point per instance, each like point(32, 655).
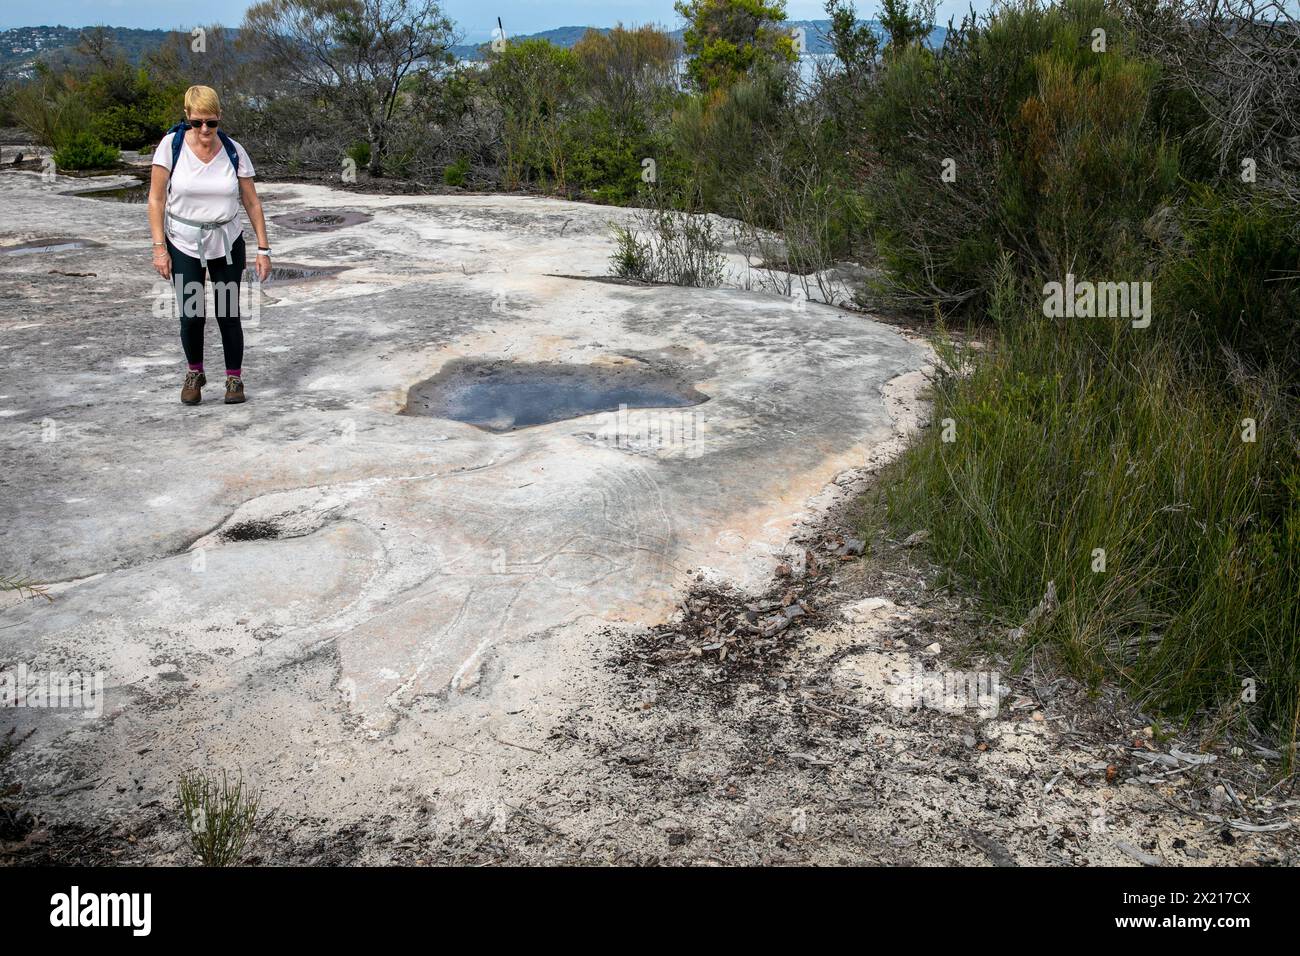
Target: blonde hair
point(202, 99)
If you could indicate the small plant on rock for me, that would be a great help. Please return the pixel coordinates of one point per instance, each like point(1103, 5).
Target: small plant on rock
point(663, 245)
point(220, 817)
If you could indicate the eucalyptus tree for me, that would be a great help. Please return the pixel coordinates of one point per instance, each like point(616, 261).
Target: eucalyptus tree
point(359, 56)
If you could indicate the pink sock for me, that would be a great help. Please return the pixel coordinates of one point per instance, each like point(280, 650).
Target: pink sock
point(196, 366)
point(237, 372)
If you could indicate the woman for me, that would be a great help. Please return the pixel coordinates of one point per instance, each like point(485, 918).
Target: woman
point(200, 176)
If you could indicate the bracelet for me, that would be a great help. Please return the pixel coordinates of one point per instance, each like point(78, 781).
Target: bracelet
point(160, 244)
point(263, 252)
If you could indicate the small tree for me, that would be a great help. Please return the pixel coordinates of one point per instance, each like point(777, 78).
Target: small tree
point(625, 70)
point(855, 44)
point(727, 38)
point(533, 83)
point(219, 61)
point(355, 54)
point(129, 107)
point(97, 45)
point(49, 107)
point(905, 22)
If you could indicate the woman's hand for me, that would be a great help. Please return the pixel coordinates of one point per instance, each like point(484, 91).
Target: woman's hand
point(162, 262)
point(263, 267)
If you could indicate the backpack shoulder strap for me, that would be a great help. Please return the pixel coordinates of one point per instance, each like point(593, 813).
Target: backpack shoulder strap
point(233, 153)
point(177, 133)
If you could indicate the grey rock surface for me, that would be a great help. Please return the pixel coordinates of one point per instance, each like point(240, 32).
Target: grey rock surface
point(398, 565)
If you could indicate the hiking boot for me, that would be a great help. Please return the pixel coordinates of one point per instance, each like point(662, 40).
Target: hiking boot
point(234, 390)
point(190, 393)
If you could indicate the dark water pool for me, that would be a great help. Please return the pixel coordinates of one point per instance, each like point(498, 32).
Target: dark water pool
point(506, 396)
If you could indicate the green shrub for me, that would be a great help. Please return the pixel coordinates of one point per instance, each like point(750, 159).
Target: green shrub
point(49, 111)
point(85, 151)
point(663, 245)
point(720, 137)
point(457, 174)
point(139, 121)
point(129, 108)
point(1146, 476)
point(631, 258)
point(122, 127)
point(117, 104)
point(604, 163)
point(727, 38)
point(359, 153)
point(1232, 279)
point(533, 84)
point(1050, 144)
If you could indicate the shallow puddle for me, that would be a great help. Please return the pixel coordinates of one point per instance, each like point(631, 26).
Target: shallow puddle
point(505, 396)
point(320, 220)
point(47, 245)
point(132, 194)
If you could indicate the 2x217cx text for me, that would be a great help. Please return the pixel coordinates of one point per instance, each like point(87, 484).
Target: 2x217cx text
point(1195, 899)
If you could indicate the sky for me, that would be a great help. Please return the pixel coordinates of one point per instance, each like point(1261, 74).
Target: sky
point(475, 19)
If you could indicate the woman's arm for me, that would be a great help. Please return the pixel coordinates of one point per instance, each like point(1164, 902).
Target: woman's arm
point(252, 203)
point(162, 260)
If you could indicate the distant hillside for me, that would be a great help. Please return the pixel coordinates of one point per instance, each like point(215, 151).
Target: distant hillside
point(21, 47)
point(816, 34)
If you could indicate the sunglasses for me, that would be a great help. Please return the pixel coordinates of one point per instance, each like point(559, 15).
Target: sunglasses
point(200, 123)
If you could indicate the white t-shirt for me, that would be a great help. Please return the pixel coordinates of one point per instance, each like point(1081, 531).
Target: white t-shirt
point(203, 192)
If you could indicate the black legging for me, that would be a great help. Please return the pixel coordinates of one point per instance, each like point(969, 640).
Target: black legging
point(187, 278)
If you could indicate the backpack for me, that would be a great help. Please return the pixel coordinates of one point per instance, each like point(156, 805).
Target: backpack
point(177, 134)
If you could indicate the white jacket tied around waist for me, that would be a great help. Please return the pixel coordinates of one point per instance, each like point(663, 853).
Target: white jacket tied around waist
point(195, 235)
point(202, 216)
